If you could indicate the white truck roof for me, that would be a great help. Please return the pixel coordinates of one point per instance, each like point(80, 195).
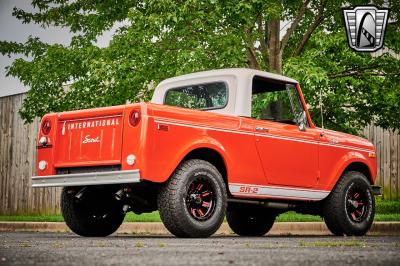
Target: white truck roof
point(239, 81)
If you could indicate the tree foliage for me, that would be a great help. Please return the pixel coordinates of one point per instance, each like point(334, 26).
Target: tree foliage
point(160, 39)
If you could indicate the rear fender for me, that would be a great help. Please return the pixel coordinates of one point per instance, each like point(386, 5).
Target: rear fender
point(205, 142)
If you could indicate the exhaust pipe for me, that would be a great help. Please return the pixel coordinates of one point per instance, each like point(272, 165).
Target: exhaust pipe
point(80, 193)
point(131, 201)
point(122, 193)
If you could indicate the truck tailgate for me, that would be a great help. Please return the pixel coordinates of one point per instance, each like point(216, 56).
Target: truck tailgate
point(89, 139)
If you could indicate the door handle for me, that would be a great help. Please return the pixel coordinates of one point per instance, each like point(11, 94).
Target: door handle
point(262, 129)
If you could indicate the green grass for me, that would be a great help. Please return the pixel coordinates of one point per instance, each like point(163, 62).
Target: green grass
point(385, 211)
point(32, 218)
point(145, 217)
point(387, 207)
point(139, 244)
point(351, 243)
point(295, 217)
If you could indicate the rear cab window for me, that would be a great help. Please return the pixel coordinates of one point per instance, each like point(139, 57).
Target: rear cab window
point(209, 96)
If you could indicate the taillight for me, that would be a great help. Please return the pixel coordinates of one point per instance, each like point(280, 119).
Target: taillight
point(46, 127)
point(134, 117)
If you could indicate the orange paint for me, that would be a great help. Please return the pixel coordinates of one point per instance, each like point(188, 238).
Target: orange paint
point(282, 156)
point(263, 158)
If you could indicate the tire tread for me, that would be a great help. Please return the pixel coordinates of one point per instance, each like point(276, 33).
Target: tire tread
point(333, 209)
point(168, 205)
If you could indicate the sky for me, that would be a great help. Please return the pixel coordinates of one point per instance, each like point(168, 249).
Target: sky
point(11, 29)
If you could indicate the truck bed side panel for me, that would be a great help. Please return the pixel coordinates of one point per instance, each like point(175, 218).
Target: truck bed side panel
point(178, 131)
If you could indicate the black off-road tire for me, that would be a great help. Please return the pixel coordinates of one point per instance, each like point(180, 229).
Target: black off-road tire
point(95, 214)
point(337, 208)
point(173, 200)
point(332, 226)
point(250, 220)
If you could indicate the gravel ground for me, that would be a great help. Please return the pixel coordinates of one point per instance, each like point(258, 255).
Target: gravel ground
point(69, 249)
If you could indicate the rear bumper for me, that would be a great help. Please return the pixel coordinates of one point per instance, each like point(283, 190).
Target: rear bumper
point(377, 190)
point(87, 179)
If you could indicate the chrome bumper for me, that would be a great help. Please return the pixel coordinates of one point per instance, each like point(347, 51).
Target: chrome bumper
point(87, 179)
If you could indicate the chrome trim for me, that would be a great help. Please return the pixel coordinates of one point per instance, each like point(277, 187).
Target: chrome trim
point(262, 129)
point(87, 179)
point(277, 192)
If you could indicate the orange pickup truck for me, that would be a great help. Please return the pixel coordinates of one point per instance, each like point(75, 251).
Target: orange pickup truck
point(234, 142)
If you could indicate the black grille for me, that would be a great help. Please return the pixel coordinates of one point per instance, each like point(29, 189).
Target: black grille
point(87, 169)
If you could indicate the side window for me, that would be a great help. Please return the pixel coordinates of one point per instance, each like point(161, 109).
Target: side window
point(275, 102)
point(297, 106)
point(203, 96)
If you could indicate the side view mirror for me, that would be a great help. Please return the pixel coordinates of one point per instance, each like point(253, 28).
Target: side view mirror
point(302, 121)
point(302, 126)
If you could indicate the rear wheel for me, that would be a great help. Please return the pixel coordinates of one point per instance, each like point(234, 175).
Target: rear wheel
point(350, 208)
point(91, 211)
point(250, 220)
point(192, 202)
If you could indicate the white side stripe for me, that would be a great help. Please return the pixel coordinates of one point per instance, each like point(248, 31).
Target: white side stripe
point(286, 138)
point(276, 192)
point(260, 135)
point(204, 127)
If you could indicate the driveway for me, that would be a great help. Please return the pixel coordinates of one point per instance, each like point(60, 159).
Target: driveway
point(22, 248)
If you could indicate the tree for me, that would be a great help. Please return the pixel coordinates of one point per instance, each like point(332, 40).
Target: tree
point(302, 39)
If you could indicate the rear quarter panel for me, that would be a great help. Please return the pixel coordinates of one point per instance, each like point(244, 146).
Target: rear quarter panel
point(134, 139)
point(174, 132)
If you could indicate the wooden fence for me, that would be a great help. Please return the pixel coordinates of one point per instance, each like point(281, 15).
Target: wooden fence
point(18, 153)
point(17, 164)
point(387, 145)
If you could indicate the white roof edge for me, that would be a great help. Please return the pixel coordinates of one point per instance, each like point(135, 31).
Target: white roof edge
point(228, 71)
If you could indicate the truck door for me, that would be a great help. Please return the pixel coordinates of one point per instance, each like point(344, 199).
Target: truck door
point(287, 145)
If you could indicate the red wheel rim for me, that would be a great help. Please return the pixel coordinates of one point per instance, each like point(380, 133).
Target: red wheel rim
point(200, 199)
point(357, 204)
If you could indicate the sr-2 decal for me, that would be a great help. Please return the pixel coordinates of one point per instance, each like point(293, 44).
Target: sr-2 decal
point(248, 189)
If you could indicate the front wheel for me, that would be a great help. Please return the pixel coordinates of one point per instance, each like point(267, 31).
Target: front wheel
point(350, 208)
point(91, 211)
point(192, 202)
point(250, 220)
